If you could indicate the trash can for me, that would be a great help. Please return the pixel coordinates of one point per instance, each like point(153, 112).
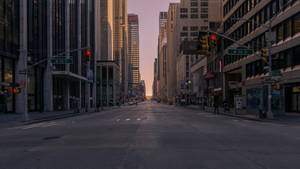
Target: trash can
point(3, 108)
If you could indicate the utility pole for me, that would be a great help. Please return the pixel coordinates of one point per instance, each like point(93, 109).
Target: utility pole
point(269, 41)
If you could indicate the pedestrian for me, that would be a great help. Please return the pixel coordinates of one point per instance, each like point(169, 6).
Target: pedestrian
point(216, 109)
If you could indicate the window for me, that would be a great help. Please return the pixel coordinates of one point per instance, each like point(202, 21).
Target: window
point(287, 28)
point(204, 4)
point(297, 55)
point(296, 24)
point(194, 16)
point(183, 10)
point(204, 10)
point(183, 34)
point(280, 33)
point(194, 28)
point(204, 28)
point(204, 15)
point(185, 28)
point(194, 33)
point(183, 16)
point(194, 10)
point(194, 3)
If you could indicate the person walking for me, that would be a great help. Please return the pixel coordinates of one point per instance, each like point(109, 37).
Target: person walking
point(216, 108)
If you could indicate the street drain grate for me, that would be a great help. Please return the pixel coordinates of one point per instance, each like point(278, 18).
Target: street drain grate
point(52, 138)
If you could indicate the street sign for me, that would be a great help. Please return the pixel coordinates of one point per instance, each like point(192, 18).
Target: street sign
point(240, 52)
point(276, 73)
point(61, 60)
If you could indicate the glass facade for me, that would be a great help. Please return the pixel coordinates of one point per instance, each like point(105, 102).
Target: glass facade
point(37, 50)
point(9, 45)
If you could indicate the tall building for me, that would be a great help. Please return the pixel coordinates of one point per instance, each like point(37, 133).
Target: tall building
point(172, 50)
point(162, 56)
point(121, 42)
point(107, 29)
point(44, 54)
point(245, 75)
point(133, 52)
point(9, 52)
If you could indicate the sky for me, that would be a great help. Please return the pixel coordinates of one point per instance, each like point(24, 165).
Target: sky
point(148, 11)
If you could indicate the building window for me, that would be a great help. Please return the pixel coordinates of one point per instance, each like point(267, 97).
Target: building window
point(194, 16)
point(183, 10)
point(296, 24)
point(183, 34)
point(194, 3)
point(194, 33)
point(204, 4)
point(185, 28)
point(194, 28)
point(204, 10)
point(204, 28)
point(194, 10)
point(204, 15)
point(183, 16)
point(287, 29)
point(280, 33)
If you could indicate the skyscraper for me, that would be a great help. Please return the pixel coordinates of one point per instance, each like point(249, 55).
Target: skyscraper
point(133, 51)
point(120, 42)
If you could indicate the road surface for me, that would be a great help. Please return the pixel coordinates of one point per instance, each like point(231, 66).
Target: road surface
point(151, 136)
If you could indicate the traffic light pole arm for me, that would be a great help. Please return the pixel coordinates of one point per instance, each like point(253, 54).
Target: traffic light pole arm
point(226, 37)
point(45, 60)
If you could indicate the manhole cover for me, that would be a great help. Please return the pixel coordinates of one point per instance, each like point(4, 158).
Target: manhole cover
point(52, 138)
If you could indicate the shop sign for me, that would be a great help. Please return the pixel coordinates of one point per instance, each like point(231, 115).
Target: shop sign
point(4, 84)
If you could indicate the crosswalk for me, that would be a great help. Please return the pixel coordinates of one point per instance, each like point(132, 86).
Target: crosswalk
point(129, 119)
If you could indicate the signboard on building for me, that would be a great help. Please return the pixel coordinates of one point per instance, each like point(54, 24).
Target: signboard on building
point(90, 76)
point(238, 102)
point(240, 52)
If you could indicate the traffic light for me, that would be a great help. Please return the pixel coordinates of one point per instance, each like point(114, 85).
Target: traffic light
point(16, 90)
point(203, 43)
point(265, 54)
point(88, 54)
point(213, 42)
point(276, 86)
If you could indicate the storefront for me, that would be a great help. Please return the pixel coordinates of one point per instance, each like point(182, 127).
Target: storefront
point(7, 79)
point(292, 94)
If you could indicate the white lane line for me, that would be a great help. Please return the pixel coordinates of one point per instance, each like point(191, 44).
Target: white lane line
point(138, 119)
point(118, 120)
point(40, 125)
point(127, 119)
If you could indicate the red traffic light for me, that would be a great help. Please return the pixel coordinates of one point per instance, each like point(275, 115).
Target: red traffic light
point(16, 90)
point(88, 53)
point(213, 37)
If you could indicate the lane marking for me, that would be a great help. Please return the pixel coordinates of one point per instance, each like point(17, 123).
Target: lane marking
point(127, 119)
point(138, 119)
point(118, 120)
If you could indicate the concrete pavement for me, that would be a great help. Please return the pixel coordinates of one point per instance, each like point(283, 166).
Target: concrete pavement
point(151, 136)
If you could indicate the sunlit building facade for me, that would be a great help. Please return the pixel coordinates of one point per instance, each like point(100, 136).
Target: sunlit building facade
point(133, 52)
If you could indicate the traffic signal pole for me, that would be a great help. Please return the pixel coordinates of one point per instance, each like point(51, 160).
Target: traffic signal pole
point(270, 113)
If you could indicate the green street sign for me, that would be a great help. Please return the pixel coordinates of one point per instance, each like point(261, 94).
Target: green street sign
point(276, 73)
point(61, 60)
point(240, 52)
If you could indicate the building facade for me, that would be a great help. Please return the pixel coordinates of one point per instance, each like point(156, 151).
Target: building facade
point(120, 42)
point(9, 52)
point(245, 75)
point(133, 54)
point(44, 54)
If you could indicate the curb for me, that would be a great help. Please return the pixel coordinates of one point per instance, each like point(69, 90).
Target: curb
point(231, 115)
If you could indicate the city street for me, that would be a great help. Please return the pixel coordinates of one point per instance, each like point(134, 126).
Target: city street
point(151, 136)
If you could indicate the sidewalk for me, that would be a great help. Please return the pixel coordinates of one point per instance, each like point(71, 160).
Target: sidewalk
point(284, 119)
point(15, 119)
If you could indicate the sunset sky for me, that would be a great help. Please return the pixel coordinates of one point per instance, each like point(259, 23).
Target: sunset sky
point(148, 11)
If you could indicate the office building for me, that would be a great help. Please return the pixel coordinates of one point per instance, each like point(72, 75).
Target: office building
point(133, 53)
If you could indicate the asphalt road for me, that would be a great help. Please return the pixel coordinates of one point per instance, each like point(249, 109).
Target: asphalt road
point(151, 136)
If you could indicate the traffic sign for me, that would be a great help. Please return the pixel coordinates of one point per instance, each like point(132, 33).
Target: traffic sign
point(61, 60)
point(276, 73)
point(240, 52)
